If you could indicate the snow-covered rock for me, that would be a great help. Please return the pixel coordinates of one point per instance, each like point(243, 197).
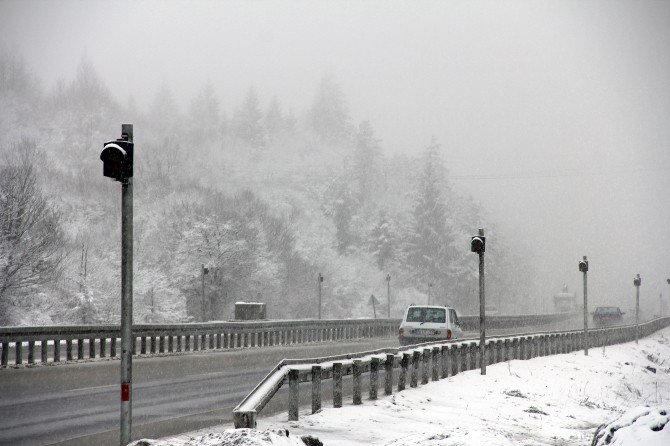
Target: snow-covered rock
point(648, 426)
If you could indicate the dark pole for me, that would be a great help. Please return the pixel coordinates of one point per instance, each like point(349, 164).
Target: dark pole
point(482, 306)
point(388, 295)
point(374, 309)
point(319, 281)
point(126, 297)
point(637, 282)
point(586, 312)
point(203, 271)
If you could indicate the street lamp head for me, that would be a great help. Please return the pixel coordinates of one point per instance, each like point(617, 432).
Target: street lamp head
point(637, 281)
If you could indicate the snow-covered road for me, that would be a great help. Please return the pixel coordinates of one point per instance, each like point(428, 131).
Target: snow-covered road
point(556, 400)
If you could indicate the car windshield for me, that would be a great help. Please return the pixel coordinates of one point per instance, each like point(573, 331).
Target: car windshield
point(424, 314)
point(607, 310)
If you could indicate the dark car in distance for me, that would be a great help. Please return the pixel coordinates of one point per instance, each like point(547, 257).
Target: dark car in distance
point(607, 316)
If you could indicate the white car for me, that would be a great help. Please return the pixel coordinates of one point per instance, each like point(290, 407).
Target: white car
point(429, 323)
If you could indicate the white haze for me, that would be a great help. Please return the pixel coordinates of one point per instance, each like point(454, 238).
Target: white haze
point(554, 115)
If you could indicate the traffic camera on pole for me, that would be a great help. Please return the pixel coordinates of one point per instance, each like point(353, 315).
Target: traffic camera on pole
point(637, 281)
point(117, 159)
point(478, 244)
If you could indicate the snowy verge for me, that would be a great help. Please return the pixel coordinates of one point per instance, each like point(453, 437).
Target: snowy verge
point(237, 437)
point(553, 400)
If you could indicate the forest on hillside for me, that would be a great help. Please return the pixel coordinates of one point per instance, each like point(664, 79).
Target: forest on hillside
point(233, 202)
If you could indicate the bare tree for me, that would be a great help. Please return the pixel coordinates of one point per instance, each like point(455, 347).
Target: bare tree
point(31, 236)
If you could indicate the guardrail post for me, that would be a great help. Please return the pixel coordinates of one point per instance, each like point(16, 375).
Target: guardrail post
point(91, 348)
point(356, 381)
point(179, 342)
point(474, 356)
point(68, 350)
point(506, 356)
point(152, 339)
point(388, 374)
point(31, 352)
point(499, 352)
point(515, 349)
point(413, 378)
point(425, 365)
point(445, 360)
point(337, 384)
point(316, 388)
point(4, 361)
point(404, 365)
point(374, 377)
point(44, 344)
point(211, 341)
point(143, 345)
point(245, 420)
point(218, 341)
point(56, 350)
point(103, 347)
point(453, 360)
point(293, 397)
point(435, 364)
point(161, 344)
point(522, 348)
point(18, 347)
point(112, 346)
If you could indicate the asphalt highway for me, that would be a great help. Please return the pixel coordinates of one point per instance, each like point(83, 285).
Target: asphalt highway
point(73, 404)
point(78, 403)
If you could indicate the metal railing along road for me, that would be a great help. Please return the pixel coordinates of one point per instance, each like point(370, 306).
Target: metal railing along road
point(47, 344)
point(417, 363)
point(56, 344)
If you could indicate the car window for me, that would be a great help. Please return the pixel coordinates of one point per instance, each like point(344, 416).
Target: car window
point(422, 314)
point(415, 315)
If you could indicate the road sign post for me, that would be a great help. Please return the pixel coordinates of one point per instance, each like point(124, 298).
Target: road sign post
point(584, 268)
point(373, 301)
point(478, 245)
point(117, 157)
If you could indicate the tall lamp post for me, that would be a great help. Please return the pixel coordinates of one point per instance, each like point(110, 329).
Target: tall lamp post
point(584, 268)
point(204, 305)
point(637, 282)
point(478, 245)
point(117, 158)
point(319, 281)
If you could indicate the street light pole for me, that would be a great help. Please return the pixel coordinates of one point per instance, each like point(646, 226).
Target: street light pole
point(478, 245)
point(118, 159)
point(637, 282)
point(203, 306)
point(584, 268)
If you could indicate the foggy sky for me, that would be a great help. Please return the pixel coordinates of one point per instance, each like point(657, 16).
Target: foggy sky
point(554, 115)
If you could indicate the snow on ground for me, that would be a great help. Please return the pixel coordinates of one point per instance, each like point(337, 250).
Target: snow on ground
point(555, 400)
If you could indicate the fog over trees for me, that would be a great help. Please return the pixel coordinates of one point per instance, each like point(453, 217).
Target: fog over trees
point(264, 201)
point(279, 140)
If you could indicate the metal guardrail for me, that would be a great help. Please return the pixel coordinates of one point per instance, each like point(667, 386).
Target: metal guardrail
point(437, 360)
point(45, 344)
point(77, 342)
